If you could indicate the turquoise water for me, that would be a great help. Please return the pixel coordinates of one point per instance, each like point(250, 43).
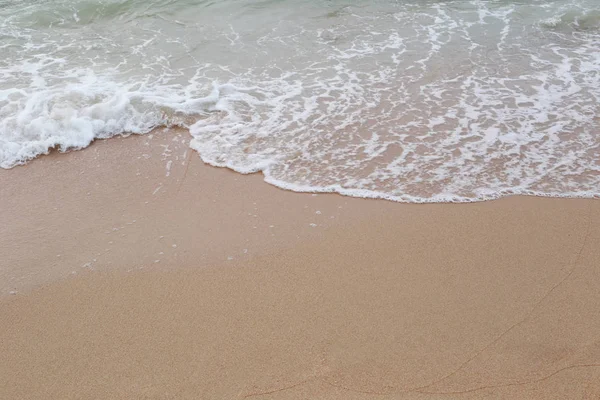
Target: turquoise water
point(419, 101)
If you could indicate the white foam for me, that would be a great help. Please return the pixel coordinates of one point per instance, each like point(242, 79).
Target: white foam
point(427, 103)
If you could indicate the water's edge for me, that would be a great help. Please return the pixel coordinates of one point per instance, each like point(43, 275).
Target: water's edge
point(333, 189)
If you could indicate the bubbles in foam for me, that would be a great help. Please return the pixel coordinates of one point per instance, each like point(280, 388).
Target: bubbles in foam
point(414, 102)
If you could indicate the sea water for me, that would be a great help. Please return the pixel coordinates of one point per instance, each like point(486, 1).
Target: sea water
point(408, 100)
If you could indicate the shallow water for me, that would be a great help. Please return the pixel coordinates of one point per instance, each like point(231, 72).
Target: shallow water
point(419, 101)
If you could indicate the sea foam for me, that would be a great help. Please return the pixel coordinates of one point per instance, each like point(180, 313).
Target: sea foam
point(423, 102)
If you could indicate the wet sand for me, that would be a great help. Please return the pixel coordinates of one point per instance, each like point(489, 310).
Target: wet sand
point(131, 270)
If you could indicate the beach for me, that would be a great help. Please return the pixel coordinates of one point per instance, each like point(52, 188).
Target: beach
point(299, 199)
point(131, 270)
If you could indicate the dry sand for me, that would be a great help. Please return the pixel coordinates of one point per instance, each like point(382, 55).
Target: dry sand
point(130, 270)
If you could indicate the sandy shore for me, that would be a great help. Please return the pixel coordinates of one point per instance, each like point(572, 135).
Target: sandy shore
point(130, 270)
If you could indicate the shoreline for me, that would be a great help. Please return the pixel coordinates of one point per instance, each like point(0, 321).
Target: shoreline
point(140, 272)
point(335, 190)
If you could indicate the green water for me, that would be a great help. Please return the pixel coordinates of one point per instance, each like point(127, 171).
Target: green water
point(406, 100)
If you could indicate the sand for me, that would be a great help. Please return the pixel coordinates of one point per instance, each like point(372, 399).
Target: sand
point(131, 270)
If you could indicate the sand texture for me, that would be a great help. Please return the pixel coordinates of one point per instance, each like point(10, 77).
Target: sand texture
point(131, 270)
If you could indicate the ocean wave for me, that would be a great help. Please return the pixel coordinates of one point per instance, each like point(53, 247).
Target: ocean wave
point(419, 102)
point(574, 19)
